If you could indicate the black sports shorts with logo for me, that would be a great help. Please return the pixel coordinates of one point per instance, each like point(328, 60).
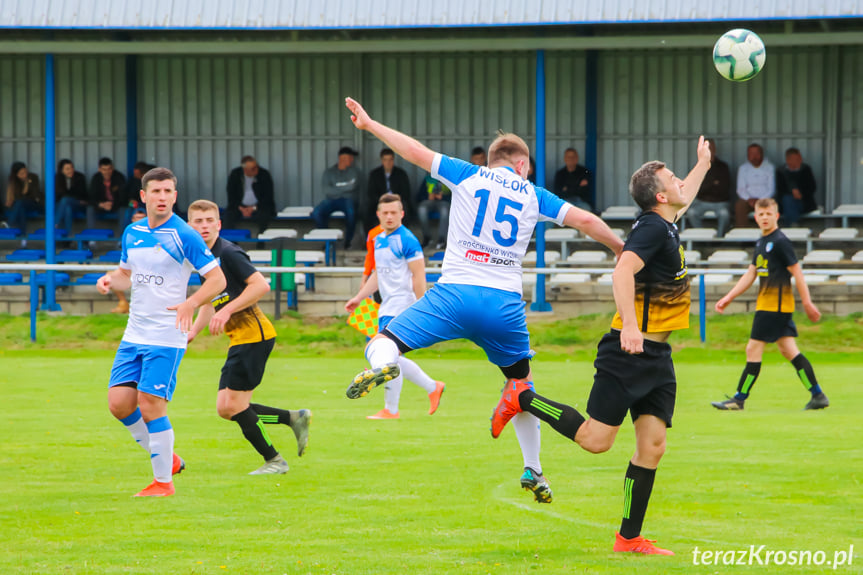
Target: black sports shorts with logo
point(643, 384)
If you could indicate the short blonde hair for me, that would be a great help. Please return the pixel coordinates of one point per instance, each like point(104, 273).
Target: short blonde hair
point(506, 147)
point(203, 206)
point(767, 203)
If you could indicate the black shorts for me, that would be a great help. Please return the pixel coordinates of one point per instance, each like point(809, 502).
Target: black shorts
point(244, 368)
point(771, 325)
point(643, 384)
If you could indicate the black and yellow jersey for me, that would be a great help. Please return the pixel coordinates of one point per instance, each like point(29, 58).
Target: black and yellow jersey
point(662, 295)
point(248, 325)
point(773, 255)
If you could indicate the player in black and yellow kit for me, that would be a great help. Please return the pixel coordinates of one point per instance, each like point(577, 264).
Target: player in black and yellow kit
point(773, 263)
point(634, 371)
point(252, 336)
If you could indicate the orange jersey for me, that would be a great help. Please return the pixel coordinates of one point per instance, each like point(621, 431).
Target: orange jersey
point(369, 264)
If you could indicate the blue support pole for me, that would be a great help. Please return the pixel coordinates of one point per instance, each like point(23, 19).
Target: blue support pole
point(131, 115)
point(591, 120)
point(540, 304)
point(34, 304)
point(50, 192)
point(702, 308)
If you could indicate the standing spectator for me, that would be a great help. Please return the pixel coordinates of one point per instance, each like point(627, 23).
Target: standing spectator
point(714, 194)
point(756, 180)
point(251, 195)
point(385, 179)
point(23, 194)
point(341, 183)
point(433, 197)
point(107, 193)
point(795, 187)
point(71, 191)
point(572, 181)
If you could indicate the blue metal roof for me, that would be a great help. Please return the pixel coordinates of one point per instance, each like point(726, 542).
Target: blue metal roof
point(377, 14)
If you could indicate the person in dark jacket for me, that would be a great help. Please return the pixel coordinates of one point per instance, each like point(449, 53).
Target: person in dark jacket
point(23, 195)
point(386, 178)
point(795, 187)
point(107, 192)
point(713, 195)
point(250, 195)
point(70, 190)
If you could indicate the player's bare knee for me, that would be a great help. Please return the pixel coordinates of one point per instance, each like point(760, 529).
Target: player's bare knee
point(120, 409)
point(225, 411)
point(595, 443)
point(121, 403)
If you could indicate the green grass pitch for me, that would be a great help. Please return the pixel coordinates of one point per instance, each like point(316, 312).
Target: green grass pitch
point(425, 494)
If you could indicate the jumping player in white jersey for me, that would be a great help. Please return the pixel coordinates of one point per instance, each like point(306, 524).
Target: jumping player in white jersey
point(158, 257)
point(478, 297)
point(400, 275)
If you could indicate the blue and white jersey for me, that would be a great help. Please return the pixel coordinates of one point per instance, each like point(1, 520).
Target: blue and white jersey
point(161, 260)
point(494, 212)
point(393, 252)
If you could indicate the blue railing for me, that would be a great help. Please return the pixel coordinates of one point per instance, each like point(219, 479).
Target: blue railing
point(35, 284)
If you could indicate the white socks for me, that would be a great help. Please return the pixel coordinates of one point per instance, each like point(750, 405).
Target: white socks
point(392, 391)
point(414, 373)
point(381, 351)
point(527, 431)
point(136, 426)
point(161, 448)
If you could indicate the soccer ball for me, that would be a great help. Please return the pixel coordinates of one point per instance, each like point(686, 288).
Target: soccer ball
point(739, 55)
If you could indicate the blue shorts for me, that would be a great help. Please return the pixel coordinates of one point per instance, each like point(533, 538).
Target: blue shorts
point(153, 368)
point(491, 318)
point(384, 321)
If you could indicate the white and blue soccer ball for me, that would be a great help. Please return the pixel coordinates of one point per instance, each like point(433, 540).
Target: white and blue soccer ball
point(739, 55)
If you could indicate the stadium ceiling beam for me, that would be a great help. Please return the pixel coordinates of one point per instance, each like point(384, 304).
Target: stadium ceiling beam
point(234, 47)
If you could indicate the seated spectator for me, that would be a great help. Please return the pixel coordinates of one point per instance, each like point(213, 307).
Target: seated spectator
point(756, 179)
point(531, 172)
point(133, 193)
point(70, 189)
point(714, 194)
point(23, 194)
point(251, 196)
point(433, 197)
point(107, 194)
point(478, 156)
point(341, 183)
point(795, 187)
point(386, 178)
point(572, 181)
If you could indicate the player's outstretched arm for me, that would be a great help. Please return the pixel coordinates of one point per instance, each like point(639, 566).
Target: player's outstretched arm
point(205, 313)
point(594, 227)
point(693, 180)
point(743, 284)
point(367, 289)
point(402, 144)
point(811, 310)
point(119, 279)
point(623, 286)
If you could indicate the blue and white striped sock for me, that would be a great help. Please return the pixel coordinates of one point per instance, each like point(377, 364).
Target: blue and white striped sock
point(136, 426)
point(161, 448)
